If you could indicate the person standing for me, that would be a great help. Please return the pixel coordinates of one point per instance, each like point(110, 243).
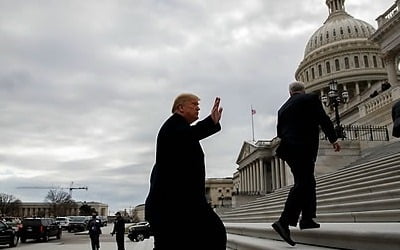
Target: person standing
point(396, 119)
point(94, 227)
point(176, 202)
point(119, 231)
point(299, 121)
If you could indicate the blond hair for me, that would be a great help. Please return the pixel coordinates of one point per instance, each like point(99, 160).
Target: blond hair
point(182, 98)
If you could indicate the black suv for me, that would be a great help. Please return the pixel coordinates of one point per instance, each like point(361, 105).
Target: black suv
point(77, 223)
point(39, 229)
point(139, 231)
point(8, 236)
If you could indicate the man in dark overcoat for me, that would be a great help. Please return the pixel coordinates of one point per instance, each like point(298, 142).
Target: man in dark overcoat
point(396, 119)
point(176, 206)
point(299, 121)
point(119, 231)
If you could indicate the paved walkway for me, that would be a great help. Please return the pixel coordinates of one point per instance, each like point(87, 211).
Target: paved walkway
point(129, 245)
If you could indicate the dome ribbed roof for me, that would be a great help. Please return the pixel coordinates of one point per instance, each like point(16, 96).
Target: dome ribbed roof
point(338, 27)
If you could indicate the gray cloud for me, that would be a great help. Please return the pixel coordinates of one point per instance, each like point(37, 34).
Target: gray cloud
point(85, 85)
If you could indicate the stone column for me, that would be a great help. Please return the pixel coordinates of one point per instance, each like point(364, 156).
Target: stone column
point(247, 178)
point(262, 176)
point(283, 174)
point(273, 173)
point(277, 174)
point(391, 68)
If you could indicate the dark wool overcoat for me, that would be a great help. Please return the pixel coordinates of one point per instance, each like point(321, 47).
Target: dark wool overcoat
point(299, 121)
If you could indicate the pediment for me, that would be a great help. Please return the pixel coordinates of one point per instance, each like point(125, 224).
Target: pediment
point(246, 150)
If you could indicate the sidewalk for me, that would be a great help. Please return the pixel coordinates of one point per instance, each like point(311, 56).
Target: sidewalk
point(129, 245)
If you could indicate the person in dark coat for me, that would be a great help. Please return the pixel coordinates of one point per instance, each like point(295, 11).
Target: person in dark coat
point(299, 121)
point(176, 206)
point(94, 227)
point(119, 231)
point(396, 119)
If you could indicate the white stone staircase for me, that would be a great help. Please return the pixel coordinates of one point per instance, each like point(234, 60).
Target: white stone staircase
point(358, 206)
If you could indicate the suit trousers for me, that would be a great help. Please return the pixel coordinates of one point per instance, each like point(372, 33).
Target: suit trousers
point(95, 242)
point(302, 197)
point(120, 241)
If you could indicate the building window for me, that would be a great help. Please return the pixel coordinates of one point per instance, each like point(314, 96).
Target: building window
point(328, 67)
point(341, 31)
point(348, 29)
point(320, 70)
point(356, 62)
point(307, 77)
point(375, 62)
point(346, 63)
point(312, 73)
point(337, 65)
point(366, 63)
point(334, 32)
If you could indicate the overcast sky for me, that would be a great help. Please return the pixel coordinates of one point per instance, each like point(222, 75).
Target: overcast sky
point(85, 85)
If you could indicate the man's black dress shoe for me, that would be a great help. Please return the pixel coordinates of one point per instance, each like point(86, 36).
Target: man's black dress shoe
point(284, 232)
point(308, 224)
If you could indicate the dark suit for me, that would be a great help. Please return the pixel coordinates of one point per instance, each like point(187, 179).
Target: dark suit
point(176, 205)
point(119, 231)
point(396, 119)
point(299, 120)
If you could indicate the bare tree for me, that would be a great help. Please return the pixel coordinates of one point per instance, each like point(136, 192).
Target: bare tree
point(60, 202)
point(9, 205)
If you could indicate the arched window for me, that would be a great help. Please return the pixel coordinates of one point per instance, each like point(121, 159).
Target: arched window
point(346, 63)
point(366, 63)
point(356, 62)
point(312, 74)
point(328, 67)
point(375, 62)
point(319, 70)
point(337, 65)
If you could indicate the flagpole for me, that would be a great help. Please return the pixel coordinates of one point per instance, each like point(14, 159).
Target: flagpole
point(252, 121)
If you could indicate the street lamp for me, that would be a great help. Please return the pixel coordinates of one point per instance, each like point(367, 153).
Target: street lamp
point(222, 200)
point(334, 99)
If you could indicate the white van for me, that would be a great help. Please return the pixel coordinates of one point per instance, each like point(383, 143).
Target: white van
point(63, 222)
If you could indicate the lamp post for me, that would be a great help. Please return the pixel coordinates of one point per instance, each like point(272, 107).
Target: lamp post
point(222, 200)
point(334, 99)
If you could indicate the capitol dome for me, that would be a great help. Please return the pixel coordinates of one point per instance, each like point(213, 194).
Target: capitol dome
point(341, 50)
point(339, 26)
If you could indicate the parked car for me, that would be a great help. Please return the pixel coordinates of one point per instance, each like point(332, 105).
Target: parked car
point(14, 222)
point(77, 223)
point(139, 231)
point(8, 235)
point(63, 222)
point(39, 229)
point(103, 220)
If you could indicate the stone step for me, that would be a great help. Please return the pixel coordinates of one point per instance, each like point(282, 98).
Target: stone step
point(365, 236)
point(327, 203)
point(367, 191)
point(387, 215)
point(241, 242)
point(372, 164)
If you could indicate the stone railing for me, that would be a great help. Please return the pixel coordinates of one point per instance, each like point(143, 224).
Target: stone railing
point(377, 102)
point(392, 11)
